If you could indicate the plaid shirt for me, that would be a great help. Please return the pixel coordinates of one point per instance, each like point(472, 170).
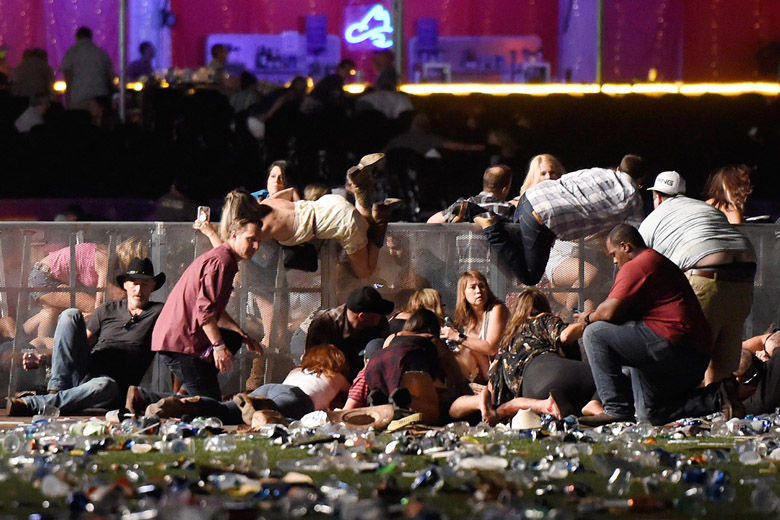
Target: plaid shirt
point(585, 202)
point(484, 199)
point(331, 326)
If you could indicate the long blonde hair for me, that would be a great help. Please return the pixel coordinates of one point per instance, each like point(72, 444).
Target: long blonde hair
point(128, 249)
point(465, 316)
point(239, 204)
point(426, 298)
point(534, 169)
point(529, 304)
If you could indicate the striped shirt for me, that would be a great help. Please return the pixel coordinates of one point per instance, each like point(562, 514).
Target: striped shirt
point(359, 389)
point(585, 202)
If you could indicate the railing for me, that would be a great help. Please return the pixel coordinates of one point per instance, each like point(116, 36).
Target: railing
point(272, 302)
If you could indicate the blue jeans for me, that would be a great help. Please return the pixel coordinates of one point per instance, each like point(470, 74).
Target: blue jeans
point(291, 401)
point(523, 248)
point(76, 389)
point(664, 377)
point(198, 377)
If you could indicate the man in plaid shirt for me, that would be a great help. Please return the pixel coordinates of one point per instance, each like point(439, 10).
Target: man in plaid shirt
point(577, 205)
point(496, 183)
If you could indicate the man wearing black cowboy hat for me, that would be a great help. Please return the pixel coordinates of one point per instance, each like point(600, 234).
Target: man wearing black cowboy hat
point(94, 363)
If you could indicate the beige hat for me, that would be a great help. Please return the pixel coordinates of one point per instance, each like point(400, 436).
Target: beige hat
point(525, 419)
point(377, 417)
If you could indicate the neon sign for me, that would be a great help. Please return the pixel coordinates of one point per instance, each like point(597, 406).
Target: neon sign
point(375, 27)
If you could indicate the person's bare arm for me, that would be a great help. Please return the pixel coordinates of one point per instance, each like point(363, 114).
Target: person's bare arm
point(437, 218)
point(101, 268)
point(207, 228)
point(610, 309)
point(572, 333)
point(351, 404)
point(223, 358)
point(489, 345)
point(756, 343)
point(288, 194)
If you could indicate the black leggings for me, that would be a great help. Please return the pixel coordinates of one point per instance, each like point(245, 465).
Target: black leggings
point(550, 371)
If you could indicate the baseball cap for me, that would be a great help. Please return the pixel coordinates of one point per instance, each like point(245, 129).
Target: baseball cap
point(368, 299)
point(669, 183)
point(372, 347)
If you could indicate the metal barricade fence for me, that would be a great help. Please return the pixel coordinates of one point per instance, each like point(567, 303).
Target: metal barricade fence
point(271, 301)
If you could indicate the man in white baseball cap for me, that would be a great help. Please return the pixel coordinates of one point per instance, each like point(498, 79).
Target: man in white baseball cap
point(669, 183)
point(718, 260)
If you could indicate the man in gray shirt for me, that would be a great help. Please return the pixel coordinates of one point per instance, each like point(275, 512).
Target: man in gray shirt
point(718, 261)
point(88, 71)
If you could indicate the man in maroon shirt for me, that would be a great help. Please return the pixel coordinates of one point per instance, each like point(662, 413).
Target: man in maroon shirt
point(194, 336)
point(652, 323)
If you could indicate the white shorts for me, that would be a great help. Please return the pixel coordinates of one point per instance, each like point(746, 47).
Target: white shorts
point(329, 217)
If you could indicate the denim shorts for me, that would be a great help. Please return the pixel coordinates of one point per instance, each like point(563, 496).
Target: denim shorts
point(41, 278)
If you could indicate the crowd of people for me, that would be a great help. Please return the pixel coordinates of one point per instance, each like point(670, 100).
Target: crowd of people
point(235, 123)
point(664, 343)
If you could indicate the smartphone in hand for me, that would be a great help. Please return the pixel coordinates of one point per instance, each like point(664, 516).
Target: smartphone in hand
point(204, 214)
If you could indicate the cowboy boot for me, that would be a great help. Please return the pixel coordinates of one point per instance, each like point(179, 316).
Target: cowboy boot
point(464, 205)
point(263, 417)
point(380, 216)
point(175, 406)
point(362, 179)
point(256, 375)
point(249, 404)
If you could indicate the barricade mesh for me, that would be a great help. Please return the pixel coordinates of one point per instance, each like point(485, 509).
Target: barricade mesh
point(272, 302)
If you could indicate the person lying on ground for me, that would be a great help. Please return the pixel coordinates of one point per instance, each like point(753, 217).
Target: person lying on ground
point(318, 382)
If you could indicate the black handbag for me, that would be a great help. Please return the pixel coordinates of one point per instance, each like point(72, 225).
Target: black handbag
point(303, 257)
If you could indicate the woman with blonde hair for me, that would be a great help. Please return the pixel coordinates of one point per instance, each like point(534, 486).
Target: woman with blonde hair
point(727, 189)
point(239, 203)
point(536, 368)
point(425, 298)
point(53, 272)
point(542, 167)
point(563, 266)
point(479, 323)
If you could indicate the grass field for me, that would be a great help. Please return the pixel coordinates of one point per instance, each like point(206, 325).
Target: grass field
point(446, 473)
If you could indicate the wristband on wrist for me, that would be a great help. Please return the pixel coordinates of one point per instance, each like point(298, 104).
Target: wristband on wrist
point(461, 337)
point(218, 345)
point(587, 319)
